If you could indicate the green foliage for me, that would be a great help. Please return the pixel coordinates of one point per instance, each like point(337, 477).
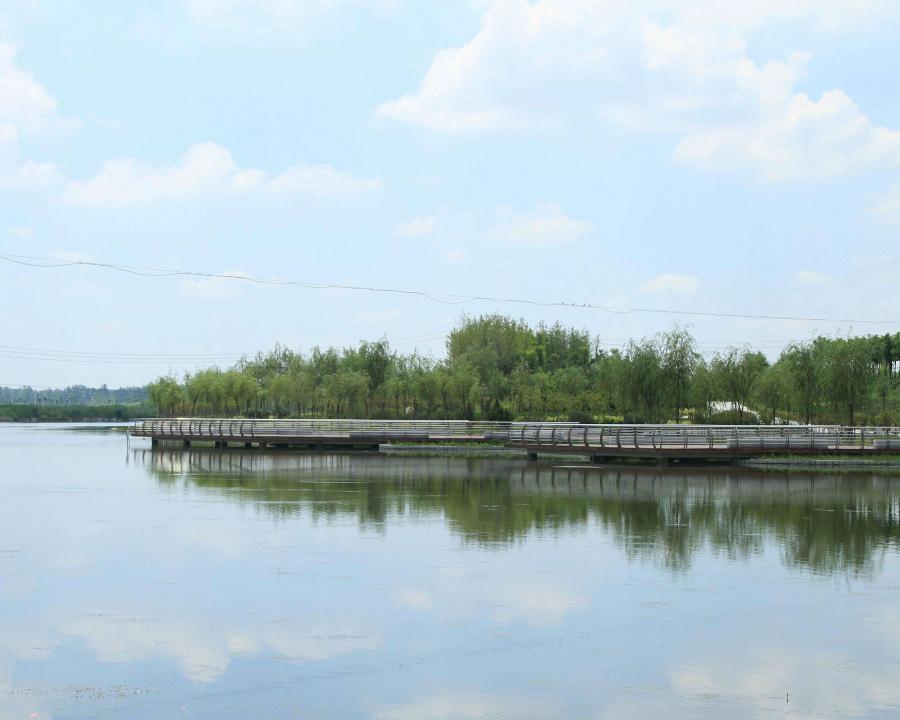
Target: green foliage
point(735, 373)
point(73, 395)
point(501, 368)
point(74, 413)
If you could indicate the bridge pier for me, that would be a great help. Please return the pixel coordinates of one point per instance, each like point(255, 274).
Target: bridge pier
point(532, 456)
point(187, 443)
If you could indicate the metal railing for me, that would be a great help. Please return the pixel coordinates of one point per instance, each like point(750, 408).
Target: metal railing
point(214, 429)
point(710, 437)
point(570, 436)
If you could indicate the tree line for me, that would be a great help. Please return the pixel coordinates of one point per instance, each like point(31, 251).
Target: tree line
point(72, 395)
point(500, 368)
point(20, 412)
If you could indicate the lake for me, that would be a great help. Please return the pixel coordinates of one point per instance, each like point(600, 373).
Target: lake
point(170, 583)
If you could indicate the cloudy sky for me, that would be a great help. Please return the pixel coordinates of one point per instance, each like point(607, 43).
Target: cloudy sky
point(710, 156)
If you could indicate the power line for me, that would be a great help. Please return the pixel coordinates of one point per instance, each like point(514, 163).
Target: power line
point(126, 356)
point(434, 296)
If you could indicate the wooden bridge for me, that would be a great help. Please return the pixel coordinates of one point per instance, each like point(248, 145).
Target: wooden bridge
point(664, 443)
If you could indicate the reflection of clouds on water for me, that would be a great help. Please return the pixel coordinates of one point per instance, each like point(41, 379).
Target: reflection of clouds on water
point(796, 683)
point(506, 595)
point(417, 588)
point(202, 649)
point(465, 706)
point(535, 605)
point(413, 599)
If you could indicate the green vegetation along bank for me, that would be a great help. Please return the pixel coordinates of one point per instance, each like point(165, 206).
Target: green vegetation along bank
point(75, 413)
point(500, 368)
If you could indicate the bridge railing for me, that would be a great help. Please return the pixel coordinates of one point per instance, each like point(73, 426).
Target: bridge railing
point(247, 429)
point(562, 435)
point(711, 437)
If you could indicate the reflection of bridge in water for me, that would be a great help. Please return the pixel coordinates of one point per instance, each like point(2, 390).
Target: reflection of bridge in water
point(664, 443)
point(826, 523)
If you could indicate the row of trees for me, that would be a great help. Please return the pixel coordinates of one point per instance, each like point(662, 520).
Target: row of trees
point(501, 368)
point(72, 395)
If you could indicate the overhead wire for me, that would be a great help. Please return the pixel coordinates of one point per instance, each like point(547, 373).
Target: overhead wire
point(444, 298)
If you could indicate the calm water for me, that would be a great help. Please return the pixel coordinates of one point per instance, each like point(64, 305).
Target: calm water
point(202, 584)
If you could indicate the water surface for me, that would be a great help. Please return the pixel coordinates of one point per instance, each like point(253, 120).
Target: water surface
point(233, 584)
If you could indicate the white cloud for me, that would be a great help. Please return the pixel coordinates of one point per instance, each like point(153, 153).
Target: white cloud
point(24, 102)
point(30, 175)
point(454, 255)
point(71, 256)
point(547, 224)
point(215, 288)
point(124, 182)
point(807, 139)
point(375, 318)
point(257, 20)
point(416, 227)
point(205, 169)
point(322, 181)
point(21, 232)
point(670, 282)
point(886, 209)
point(26, 109)
point(428, 181)
point(811, 277)
point(664, 66)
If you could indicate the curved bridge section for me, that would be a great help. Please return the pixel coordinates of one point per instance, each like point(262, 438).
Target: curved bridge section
point(703, 441)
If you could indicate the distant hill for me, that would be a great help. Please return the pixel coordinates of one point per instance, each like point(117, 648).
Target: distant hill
point(74, 395)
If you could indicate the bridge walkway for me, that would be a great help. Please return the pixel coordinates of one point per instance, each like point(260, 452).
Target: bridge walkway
point(600, 442)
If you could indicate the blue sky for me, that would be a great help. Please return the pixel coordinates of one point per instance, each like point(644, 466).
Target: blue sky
point(698, 157)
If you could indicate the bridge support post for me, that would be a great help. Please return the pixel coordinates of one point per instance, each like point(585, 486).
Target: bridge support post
point(187, 443)
point(532, 456)
point(154, 442)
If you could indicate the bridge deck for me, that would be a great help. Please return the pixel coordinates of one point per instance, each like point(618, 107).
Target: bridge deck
point(363, 433)
point(672, 442)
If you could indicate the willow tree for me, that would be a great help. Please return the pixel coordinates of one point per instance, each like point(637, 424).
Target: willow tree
point(803, 374)
point(678, 363)
point(848, 374)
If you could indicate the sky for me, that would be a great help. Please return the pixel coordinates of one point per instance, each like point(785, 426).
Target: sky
point(703, 157)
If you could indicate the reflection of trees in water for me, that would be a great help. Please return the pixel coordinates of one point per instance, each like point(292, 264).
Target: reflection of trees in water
point(828, 524)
